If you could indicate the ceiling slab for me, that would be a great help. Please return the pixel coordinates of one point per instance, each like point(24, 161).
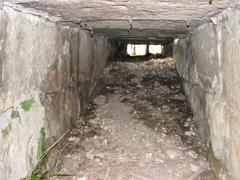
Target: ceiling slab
point(133, 18)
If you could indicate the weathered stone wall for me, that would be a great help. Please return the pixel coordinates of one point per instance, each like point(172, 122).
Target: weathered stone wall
point(208, 60)
point(43, 66)
point(92, 64)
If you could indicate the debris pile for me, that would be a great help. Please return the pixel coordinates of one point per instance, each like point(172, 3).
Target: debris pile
point(140, 127)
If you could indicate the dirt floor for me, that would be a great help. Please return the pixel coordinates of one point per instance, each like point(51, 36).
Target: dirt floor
point(140, 127)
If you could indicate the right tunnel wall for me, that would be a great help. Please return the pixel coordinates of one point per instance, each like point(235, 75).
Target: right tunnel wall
point(208, 61)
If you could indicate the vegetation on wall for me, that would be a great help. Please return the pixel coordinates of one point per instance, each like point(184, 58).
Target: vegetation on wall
point(6, 130)
point(36, 172)
point(27, 104)
point(215, 163)
point(15, 114)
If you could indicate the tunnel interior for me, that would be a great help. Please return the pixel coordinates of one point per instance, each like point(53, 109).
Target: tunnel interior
point(83, 96)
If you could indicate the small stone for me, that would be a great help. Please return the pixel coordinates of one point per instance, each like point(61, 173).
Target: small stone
point(105, 142)
point(188, 133)
point(68, 156)
point(72, 138)
point(172, 154)
point(163, 135)
point(90, 154)
point(192, 154)
point(140, 86)
point(99, 155)
point(100, 100)
point(82, 178)
point(194, 168)
point(186, 124)
point(148, 156)
point(156, 84)
point(157, 160)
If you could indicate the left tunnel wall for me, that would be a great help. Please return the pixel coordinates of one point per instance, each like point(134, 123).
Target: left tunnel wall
point(42, 67)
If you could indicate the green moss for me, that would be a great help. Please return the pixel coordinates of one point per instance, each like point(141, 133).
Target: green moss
point(36, 172)
point(26, 105)
point(41, 143)
point(6, 130)
point(15, 114)
point(215, 163)
point(39, 170)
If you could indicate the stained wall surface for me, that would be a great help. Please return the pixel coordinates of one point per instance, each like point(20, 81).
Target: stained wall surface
point(208, 62)
point(43, 68)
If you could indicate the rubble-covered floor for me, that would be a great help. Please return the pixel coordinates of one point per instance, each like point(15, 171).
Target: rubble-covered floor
point(140, 127)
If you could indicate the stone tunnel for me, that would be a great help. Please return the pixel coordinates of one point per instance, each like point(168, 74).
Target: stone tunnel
point(53, 54)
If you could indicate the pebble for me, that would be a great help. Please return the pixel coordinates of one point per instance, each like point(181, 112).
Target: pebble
point(72, 138)
point(189, 133)
point(194, 168)
point(148, 156)
point(100, 100)
point(163, 135)
point(157, 160)
point(193, 155)
point(186, 124)
point(82, 178)
point(172, 154)
point(68, 156)
point(91, 155)
point(156, 84)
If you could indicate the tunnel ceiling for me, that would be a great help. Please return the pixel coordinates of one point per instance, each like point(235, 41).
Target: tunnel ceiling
point(133, 19)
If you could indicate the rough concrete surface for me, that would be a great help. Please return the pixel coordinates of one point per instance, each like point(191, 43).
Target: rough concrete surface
point(208, 62)
point(165, 18)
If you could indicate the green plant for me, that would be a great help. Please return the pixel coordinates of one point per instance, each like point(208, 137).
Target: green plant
point(6, 130)
point(27, 104)
point(15, 114)
point(41, 143)
point(215, 163)
point(35, 172)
